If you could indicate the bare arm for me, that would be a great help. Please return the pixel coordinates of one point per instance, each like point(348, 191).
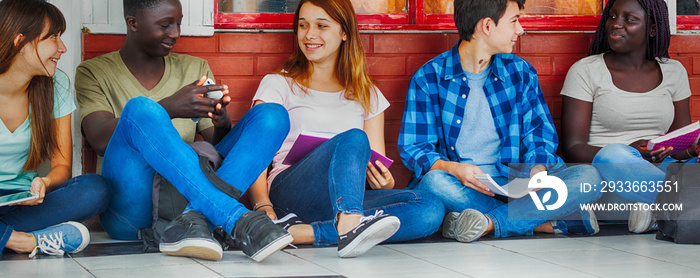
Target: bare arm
point(62, 155)
point(61, 162)
point(98, 128)
point(575, 126)
point(260, 197)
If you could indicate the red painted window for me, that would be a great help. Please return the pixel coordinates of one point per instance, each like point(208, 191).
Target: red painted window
point(539, 15)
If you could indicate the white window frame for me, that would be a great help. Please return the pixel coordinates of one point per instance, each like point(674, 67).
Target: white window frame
point(107, 17)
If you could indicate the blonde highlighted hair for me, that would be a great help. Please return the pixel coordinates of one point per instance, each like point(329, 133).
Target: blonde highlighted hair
point(351, 66)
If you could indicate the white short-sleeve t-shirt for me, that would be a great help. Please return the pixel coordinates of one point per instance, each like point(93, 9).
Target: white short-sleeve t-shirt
point(14, 146)
point(624, 117)
point(313, 111)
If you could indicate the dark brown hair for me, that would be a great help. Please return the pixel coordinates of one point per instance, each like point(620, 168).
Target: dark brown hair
point(29, 18)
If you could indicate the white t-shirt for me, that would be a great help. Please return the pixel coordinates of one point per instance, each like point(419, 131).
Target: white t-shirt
point(14, 146)
point(314, 111)
point(624, 117)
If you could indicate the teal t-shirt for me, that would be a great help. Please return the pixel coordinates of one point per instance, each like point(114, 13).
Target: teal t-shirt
point(14, 146)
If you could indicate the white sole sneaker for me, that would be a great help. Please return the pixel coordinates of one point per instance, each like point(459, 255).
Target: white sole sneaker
point(448, 225)
point(640, 221)
point(374, 234)
point(193, 248)
point(470, 225)
point(272, 247)
point(84, 233)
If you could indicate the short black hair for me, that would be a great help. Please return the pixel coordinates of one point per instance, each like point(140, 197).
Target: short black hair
point(135, 7)
point(656, 14)
point(467, 14)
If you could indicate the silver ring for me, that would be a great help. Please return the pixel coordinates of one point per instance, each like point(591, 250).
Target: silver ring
point(653, 158)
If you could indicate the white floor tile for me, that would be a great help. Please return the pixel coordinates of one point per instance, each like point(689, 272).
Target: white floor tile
point(640, 270)
point(673, 253)
point(442, 249)
point(589, 257)
point(378, 261)
point(484, 263)
point(627, 241)
point(446, 274)
point(691, 264)
point(533, 271)
point(42, 268)
point(170, 271)
point(132, 261)
point(236, 264)
point(547, 244)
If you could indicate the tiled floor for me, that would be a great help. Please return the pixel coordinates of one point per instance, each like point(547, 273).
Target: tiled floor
point(612, 254)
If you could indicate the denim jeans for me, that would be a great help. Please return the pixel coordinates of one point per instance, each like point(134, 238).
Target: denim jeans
point(457, 197)
point(622, 163)
point(77, 199)
point(146, 141)
point(614, 163)
point(331, 179)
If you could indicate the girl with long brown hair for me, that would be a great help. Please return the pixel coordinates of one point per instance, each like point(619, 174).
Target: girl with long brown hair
point(35, 109)
point(325, 86)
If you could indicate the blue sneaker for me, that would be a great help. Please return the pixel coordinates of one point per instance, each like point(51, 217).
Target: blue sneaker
point(583, 223)
point(71, 237)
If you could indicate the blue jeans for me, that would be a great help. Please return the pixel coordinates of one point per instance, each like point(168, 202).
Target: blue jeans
point(145, 141)
point(622, 163)
point(614, 161)
point(77, 199)
point(457, 197)
point(331, 179)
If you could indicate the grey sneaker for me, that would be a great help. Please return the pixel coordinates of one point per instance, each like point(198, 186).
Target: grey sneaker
point(466, 226)
point(188, 235)
point(641, 220)
point(258, 236)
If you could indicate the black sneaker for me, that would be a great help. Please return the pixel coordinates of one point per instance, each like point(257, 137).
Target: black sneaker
point(188, 235)
point(371, 231)
point(258, 236)
point(288, 221)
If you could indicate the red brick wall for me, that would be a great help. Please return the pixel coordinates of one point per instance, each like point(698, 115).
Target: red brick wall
point(241, 60)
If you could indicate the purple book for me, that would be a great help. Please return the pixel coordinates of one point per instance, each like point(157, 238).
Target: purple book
point(680, 139)
point(309, 140)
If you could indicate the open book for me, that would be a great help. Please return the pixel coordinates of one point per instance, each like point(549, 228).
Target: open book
point(680, 139)
point(514, 189)
point(309, 140)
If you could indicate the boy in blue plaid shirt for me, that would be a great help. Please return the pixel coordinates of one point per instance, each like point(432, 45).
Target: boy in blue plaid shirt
point(478, 109)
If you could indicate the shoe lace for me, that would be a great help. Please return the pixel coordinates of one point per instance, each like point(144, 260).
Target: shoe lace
point(50, 244)
point(370, 217)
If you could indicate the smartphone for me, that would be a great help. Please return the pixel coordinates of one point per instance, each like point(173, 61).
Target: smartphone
point(17, 198)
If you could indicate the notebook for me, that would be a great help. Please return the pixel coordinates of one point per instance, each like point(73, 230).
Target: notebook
point(680, 139)
point(515, 189)
point(309, 140)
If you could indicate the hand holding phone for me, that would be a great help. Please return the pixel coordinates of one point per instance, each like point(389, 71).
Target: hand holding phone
point(18, 197)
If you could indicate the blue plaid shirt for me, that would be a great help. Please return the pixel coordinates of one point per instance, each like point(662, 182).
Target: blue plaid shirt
point(434, 113)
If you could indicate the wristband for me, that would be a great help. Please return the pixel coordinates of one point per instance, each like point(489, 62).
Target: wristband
point(261, 205)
